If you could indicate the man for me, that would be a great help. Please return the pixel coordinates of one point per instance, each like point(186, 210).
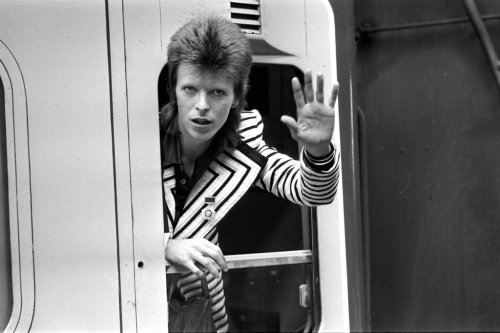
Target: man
point(213, 151)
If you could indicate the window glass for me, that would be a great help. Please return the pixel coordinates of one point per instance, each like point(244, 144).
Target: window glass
point(265, 299)
point(5, 261)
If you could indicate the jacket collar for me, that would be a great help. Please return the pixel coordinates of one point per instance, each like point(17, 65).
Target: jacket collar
point(227, 178)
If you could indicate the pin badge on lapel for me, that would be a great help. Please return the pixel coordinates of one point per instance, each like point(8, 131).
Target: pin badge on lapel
point(208, 213)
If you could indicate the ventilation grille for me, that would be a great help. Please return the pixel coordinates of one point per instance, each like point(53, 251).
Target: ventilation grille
point(246, 14)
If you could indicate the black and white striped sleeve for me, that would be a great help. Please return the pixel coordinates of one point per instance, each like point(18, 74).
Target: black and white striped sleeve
point(310, 181)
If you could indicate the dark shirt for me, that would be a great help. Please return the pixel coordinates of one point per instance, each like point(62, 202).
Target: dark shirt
point(172, 154)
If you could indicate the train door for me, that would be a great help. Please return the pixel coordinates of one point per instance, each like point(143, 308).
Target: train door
point(287, 268)
point(58, 166)
point(78, 253)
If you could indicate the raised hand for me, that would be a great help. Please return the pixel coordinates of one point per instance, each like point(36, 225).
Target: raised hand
point(315, 120)
point(194, 253)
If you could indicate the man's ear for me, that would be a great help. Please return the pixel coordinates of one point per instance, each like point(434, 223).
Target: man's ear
point(242, 100)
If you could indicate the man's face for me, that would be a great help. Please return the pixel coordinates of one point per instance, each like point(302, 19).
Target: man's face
point(204, 100)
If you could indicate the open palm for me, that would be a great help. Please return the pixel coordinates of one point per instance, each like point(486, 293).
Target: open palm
point(315, 120)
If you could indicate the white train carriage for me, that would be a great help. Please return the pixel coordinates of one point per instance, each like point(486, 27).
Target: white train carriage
point(81, 230)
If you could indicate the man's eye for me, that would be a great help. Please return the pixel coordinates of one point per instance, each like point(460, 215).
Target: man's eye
point(219, 92)
point(189, 89)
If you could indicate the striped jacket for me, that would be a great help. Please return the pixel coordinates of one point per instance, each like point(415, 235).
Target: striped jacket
point(229, 177)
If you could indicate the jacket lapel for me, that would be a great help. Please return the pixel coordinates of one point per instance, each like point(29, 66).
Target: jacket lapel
point(227, 179)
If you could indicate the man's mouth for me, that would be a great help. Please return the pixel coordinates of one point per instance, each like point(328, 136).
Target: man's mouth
point(201, 121)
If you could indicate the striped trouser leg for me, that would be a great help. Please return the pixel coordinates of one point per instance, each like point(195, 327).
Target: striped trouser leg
point(190, 287)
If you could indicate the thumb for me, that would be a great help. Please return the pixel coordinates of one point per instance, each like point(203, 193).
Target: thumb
point(291, 124)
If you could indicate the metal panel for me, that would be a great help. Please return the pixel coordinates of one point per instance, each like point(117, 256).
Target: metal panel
point(118, 87)
point(433, 137)
point(320, 30)
point(144, 61)
point(247, 15)
point(19, 201)
point(61, 49)
point(354, 202)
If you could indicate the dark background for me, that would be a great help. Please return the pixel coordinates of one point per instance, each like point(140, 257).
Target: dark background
point(421, 166)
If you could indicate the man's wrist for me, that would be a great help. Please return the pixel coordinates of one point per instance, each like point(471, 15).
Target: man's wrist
point(319, 151)
point(321, 163)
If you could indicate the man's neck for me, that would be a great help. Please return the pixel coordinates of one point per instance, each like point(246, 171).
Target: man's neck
point(192, 150)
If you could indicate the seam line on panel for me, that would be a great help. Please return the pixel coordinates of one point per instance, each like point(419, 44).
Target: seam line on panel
point(108, 43)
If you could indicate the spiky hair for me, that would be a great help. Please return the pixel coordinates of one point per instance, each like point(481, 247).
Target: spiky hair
point(211, 44)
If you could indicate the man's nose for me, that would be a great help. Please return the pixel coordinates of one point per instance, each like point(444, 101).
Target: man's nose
point(202, 102)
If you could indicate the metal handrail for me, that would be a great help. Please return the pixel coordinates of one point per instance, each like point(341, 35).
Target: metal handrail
point(252, 260)
point(473, 17)
point(484, 38)
point(366, 29)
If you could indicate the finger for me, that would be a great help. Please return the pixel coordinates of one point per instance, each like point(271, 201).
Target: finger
point(214, 269)
point(320, 82)
point(214, 252)
point(291, 124)
point(334, 95)
point(218, 257)
point(196, 271)
point(308, 86)
point(297, 93)
point(208, 265)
